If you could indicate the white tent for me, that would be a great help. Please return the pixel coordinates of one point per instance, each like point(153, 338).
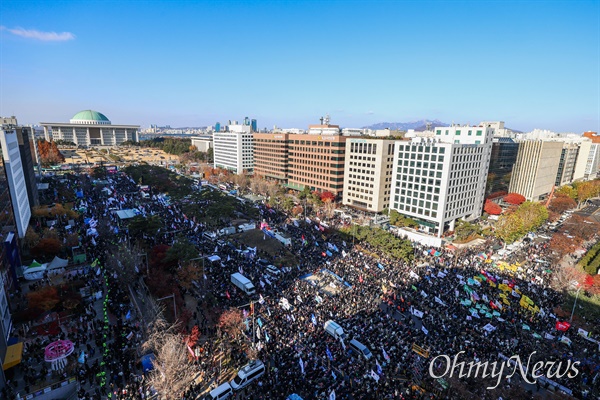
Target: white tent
point(35, 271)
point(214, 258)
point(57, 263)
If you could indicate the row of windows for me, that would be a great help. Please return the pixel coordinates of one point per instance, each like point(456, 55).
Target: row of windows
point(417, 194)
point(420, 157)
point(423, 188)
point(415, 210)
point(458, 132)
point(420, 148)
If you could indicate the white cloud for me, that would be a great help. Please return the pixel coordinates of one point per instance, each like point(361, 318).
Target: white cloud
point(42, 36)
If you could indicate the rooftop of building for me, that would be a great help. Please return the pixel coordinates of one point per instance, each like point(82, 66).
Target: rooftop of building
point(90, 115)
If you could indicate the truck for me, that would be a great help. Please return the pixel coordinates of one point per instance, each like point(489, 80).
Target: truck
point(243, 283)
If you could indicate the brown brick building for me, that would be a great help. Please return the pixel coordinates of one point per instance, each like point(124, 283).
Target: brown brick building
point(299, 160)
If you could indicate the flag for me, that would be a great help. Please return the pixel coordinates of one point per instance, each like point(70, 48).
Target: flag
point(267, 338)
point(423, 293)
point(260, 299)
point(374, 376)
point(360, 279)
point(548, 336)
point(302, 366)
point(313, 319)
point(128, 316)
point(425, 331)
point(227, 294)
point(413, 287)
point(332, 374)
point(562, 326)
point(417, 313)
point(328, 353)
point(385, 355)
point(379, 370)
point(332, 395)
point(565, 340)
point(258, 332)
point(259, 322)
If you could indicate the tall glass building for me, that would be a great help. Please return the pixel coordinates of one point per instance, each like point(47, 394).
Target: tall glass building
point(502, 159)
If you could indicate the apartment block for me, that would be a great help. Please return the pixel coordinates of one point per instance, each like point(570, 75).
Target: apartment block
point(368, 173)
point(536, 168)
point(566, 164)
point(440, 176)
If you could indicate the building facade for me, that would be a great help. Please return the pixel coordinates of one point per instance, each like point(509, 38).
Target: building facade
point(15, 175)
point(368, 174)
point(28, 156)
point(202, 143)
point(317, 162)
point(234, 151)
point(536, 168)
point(440, 176)
point(502, 160)
point(592, 166)
point(566, 164)
point(90, 128)
point(271, 156)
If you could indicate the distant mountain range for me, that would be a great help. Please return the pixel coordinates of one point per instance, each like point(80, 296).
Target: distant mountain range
point(404, 126)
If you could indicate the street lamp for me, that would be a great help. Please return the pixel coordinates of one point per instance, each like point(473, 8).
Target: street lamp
point(174, 304)
point(573, 285)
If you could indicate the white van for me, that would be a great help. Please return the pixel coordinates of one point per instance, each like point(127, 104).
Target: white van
point(334, 329)
point(220, 393)
point(360, 348)
point(247, 374)
point(273, 270)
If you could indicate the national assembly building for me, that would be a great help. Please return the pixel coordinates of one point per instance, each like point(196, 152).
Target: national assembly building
point(90, 128)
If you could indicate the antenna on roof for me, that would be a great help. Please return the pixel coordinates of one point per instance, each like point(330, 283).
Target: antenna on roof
point(327, 119)
point(321, 119)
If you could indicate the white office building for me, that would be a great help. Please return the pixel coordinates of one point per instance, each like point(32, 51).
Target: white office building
point(15, 175)
point(368, 172)
point(440, 176)
point(234, 151)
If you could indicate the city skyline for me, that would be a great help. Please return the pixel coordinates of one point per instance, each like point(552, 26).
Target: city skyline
point(530, 64)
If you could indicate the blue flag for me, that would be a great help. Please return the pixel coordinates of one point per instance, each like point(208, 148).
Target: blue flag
point(379, 370)
point(329, 353)
point(380, 266)
point(259, 322)
point(128, 316)
point(314, 320)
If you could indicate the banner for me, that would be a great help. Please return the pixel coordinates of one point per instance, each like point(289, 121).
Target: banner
point(489, 328)
point(582, 332)
point(565, 340)
point(439, 301)
point(425, 331)
point(417, 313)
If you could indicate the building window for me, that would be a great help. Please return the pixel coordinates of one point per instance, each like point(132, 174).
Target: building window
point(479, 133)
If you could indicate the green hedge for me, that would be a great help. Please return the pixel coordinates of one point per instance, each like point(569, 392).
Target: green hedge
point(591, 261)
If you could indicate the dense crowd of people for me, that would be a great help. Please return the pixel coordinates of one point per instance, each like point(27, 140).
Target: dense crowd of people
point(443, 300)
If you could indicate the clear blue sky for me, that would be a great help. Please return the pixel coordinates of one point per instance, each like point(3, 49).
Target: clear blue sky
point(532, 64)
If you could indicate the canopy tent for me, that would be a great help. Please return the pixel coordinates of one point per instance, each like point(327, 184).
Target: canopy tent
point(147, 362)
point(14, 353)
point(214, 258)
point(58, 263)
point(34, 271)
point(127, 214)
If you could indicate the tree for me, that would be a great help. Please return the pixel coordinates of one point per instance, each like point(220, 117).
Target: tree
point(173, 371)
point(561, 203)
point(563, 278)
point(510, 227)
point(465, 230)
point(31, 238)
point(46, 247)
point(49, 153)
point(514, 198)
point(232, 323)
point(45, 299)
point(188, 273)
point(327, 195)
point(587, 190)
point(182, 251)
point(304, 193)
point(560, 244)
point(492, 208)
point(568, 191)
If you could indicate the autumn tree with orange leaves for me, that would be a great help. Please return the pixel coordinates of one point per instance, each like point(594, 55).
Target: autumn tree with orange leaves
point(49, 153)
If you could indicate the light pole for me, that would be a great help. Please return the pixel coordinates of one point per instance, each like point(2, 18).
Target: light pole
point(174, 304)
point(575, 303)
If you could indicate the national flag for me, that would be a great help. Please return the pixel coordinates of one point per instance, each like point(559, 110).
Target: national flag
point(423, 293)
point(301, 366)
point(425, 331)
point(259, 322)
point(385, 355)
point(261, 300)
point(374, 376)
point(328, 352)
point(379, 370)
point(227, 294)
point(333, 374)
point(313, 319)
point(332, 395)
point(128, 316)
